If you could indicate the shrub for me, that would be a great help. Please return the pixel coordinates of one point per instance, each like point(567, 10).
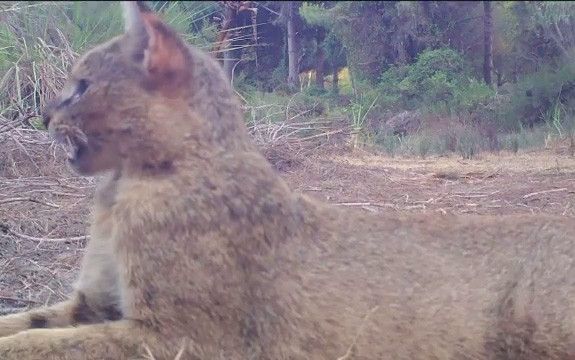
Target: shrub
point(389, 90)
point(542, 97)
point(468, 145)
point(389, 143)
point(438, 80)
point(524, 139)
point(472, 97)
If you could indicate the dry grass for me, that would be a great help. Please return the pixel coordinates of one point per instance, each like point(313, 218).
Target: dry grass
point(43, 210)
point(539, 161)
point(536, 182)
point(286, 145)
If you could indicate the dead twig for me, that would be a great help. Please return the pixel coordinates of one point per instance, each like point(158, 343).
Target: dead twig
point(470, 196)
point(543, 192)
point(33, 238)
point(365, 204)
point(322, 134)
point(6, 201)
point(10, 298)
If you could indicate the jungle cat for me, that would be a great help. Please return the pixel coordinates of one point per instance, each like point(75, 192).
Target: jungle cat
point(199, 249)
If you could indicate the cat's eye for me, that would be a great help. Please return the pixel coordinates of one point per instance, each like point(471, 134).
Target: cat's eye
point(81, 87)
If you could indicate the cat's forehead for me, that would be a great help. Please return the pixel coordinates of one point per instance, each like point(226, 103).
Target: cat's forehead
point(93, 58)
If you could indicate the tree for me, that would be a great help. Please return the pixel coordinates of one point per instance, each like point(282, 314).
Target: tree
point(557, 21)
point(487, 42)
point(291, 11)
point(375, 34)
point(329, 51)
point(319, 58)
point(234, 18)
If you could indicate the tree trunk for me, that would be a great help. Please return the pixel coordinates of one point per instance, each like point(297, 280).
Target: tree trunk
point(335, 80)
point(319, 69)
point(293, 46)
point(229, 62)
point(229, 54)
point(351, 70)
point(488, 42)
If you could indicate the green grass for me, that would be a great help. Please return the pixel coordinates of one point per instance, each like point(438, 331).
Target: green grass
point(466, 143)
point(40, 41)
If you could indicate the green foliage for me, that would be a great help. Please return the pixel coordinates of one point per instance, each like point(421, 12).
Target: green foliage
point(359, 109)
point(9, 48)
point(554, 18)
point(424, 146)
point(438, 80)
point(354, 20)
point(424, 56)
point(334, 51)
point(444, 62)
point(390, 91)
point(321, 21)
point(36, 42)
point(545, 96)
point(314, 91)
point(191, 20)
point(92, 23)
point(389, 143)
point(471, 96)
point(523, 139)
point(316, 15)
point(433, 77)
point(40, 41)
point(468, 144)
point(465, 142)
point(515, 144)
point(243, 85)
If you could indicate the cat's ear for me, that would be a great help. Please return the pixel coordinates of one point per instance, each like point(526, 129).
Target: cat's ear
point(152, 43)
point(132, 12)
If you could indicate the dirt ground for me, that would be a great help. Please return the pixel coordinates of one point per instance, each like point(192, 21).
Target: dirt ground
point(534, 183)
point(44, 207)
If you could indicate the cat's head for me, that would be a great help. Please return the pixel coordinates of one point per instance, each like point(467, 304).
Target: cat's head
point(129, 98)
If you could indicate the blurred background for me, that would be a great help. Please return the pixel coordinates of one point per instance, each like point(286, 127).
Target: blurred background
point(418, 78)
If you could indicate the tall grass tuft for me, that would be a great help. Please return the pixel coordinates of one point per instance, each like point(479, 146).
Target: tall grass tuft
point(39, 41)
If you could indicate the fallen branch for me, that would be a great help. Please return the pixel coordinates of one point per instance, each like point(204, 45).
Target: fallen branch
point(365, 204)
point(474, 196)
point(9, 298)
point(322, 134)
point(33, 238)
point(543, 192)
point(6, 201)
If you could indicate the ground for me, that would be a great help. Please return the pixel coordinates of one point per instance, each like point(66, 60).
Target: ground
point(44, 207)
